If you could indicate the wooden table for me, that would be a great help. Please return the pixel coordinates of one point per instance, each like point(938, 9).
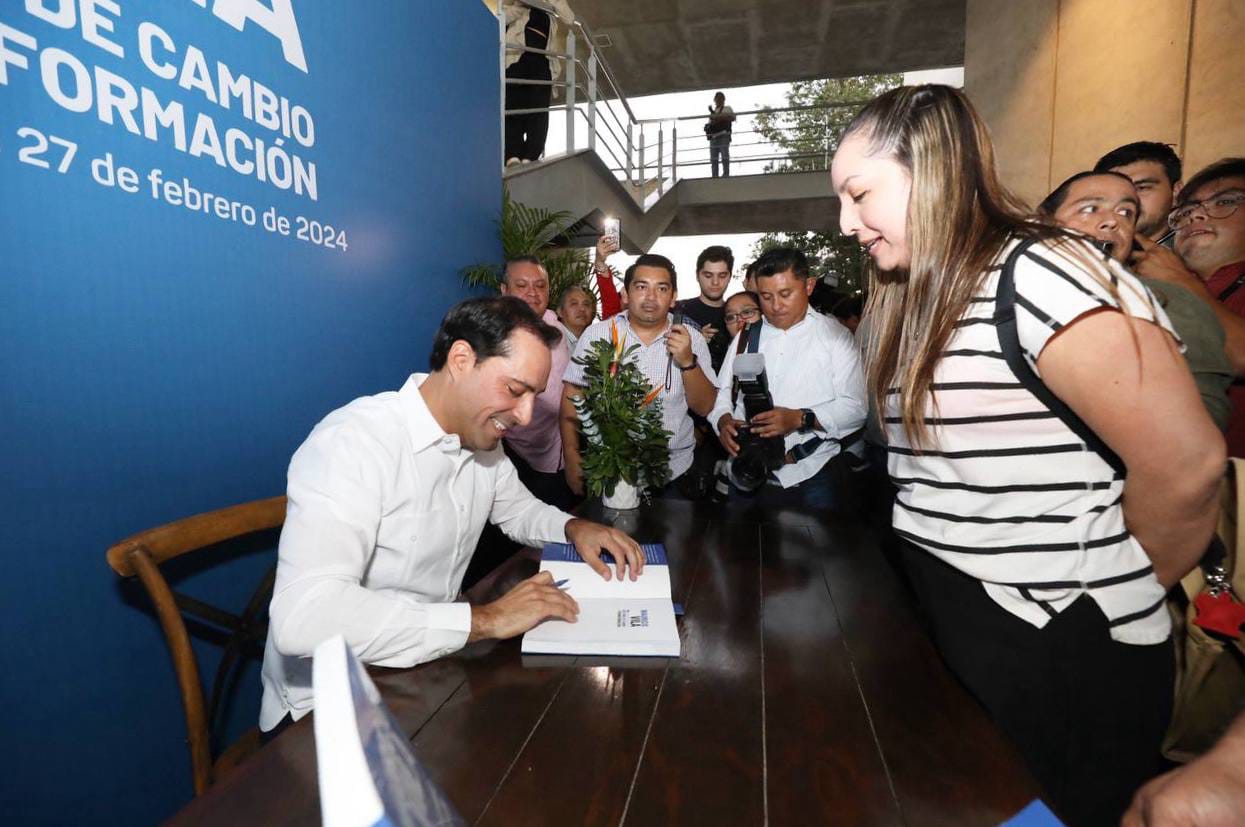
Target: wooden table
point(807, 693)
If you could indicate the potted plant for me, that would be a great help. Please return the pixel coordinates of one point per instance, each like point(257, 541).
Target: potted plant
point(533, 231)
point(625, 452)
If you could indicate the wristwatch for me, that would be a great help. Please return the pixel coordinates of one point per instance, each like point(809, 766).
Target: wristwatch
point(695, 362)
point(808, 420)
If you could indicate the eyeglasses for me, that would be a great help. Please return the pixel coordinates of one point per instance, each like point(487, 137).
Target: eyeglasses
point(747, 315)
point(1220, 206)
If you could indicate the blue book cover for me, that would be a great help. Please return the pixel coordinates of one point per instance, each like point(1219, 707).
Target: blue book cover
point(654, 554)
point(1036, 814)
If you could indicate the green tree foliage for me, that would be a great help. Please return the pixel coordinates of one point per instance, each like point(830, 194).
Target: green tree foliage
point(809, 138)
point(620, 419)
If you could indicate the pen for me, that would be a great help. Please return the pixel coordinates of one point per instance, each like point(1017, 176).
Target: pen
point(561, 584)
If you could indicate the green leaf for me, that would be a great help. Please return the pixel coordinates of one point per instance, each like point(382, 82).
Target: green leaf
point(530, 231)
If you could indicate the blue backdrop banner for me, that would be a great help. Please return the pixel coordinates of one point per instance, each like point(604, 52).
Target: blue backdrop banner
point(221, 219)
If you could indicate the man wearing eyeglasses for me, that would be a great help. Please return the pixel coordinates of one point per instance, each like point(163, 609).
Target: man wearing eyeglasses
point(1209, 220)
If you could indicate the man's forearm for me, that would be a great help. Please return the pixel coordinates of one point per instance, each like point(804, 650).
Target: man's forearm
point(700, 392)
point(1233, 325)
point(380, 627)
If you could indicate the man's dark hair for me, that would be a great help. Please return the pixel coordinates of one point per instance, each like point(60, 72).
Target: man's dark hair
point(750, 270)
point(1223, 168)
point(505, 268)
point(1051, 203)
point(486, 324)
point(780, 260)
point(823, 297)
point(1142, 151)
point(844, 307)
point(716, 252)
point(650, 260)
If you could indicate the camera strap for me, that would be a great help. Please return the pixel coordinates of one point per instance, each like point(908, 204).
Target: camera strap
point(750, 342)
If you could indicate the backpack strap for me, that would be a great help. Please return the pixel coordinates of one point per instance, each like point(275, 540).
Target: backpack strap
point(1009, 341)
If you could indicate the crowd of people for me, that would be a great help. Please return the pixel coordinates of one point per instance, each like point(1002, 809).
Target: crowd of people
point(1048, 390)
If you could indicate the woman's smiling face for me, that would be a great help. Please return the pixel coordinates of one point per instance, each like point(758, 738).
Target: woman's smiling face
point(873, 195)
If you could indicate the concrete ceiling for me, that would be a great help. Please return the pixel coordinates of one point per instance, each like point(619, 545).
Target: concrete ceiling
point(684, 45)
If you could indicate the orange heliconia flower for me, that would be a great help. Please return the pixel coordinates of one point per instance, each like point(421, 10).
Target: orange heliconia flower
point(651, 396)
point(618, 348)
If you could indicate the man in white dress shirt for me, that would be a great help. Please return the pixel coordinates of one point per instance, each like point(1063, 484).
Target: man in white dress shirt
point(672, 357)
point(388, 496)
point(813, 367)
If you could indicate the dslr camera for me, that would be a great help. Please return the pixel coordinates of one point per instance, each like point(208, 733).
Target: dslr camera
point(757, 456)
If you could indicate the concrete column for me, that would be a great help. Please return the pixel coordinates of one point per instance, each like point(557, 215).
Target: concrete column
point(1009, 74)
point(1215, 114)
point(1060, 82)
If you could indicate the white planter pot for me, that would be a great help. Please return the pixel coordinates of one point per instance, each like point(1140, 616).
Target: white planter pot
point(625, 497)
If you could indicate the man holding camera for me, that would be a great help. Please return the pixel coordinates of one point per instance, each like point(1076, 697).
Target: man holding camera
point(797, 392)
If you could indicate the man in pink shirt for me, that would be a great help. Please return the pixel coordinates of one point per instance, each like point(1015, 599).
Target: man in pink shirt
point(535, 449)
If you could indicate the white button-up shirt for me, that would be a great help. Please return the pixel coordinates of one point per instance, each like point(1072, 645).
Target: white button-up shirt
point(813, 364)
point(654, 362)
point(385, 510)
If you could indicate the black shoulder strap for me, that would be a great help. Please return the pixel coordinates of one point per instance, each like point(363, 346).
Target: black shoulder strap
point(1009, 340)
point(749, 342)
point(754, 337)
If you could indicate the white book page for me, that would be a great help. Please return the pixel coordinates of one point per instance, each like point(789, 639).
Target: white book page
point(609, 627)
point(582, 583)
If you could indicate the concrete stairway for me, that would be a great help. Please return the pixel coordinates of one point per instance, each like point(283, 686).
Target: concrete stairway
point(583, 185)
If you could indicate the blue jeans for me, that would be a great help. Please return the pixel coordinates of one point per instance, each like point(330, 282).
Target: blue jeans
point(817, 492)
point(720, 147)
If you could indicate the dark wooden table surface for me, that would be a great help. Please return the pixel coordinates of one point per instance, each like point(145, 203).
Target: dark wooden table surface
point(807, 693)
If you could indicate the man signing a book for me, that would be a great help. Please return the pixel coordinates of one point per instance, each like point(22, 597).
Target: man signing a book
point(388, 496)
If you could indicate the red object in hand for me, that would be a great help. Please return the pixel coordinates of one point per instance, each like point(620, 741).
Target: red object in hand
point(1220, 613)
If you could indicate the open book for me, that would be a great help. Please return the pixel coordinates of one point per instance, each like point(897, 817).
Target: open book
point(616, 617)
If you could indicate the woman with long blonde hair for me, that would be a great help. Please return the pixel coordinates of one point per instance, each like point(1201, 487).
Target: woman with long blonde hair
point(1056, 470)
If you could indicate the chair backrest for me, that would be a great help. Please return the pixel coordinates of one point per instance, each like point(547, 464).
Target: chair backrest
point(141, 555)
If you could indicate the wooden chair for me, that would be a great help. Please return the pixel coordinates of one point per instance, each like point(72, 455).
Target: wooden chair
point(141, 556)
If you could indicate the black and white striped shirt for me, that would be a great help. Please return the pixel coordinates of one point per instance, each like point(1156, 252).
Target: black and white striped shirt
point(1005, 491)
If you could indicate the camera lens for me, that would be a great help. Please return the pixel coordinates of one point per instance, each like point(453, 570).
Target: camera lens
point(747, 471)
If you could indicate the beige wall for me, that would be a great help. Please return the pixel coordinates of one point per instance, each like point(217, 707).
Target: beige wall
point(1060, 82)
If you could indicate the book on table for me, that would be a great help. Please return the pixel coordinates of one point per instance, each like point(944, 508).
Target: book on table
point(367, 771)
point(616, 617)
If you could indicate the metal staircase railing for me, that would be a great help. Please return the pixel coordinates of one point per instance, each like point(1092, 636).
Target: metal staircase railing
point(649, 155)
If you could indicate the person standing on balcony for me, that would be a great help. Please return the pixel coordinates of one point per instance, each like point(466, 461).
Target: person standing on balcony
point(718, 131)
point(531, 26)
